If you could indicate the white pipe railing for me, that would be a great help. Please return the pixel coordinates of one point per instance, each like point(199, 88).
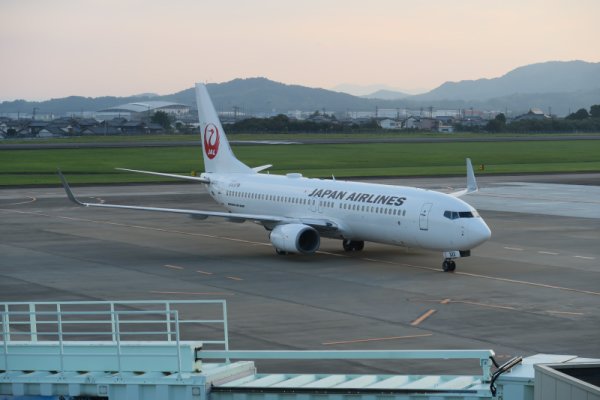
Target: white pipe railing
point(31, 323)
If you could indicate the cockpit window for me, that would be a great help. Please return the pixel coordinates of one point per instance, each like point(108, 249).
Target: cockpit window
point(460, 214)
point(450, 214)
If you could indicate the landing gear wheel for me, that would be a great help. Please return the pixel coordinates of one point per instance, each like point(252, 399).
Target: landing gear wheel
point(353, 245)
point(281, 252)
point(448, 266)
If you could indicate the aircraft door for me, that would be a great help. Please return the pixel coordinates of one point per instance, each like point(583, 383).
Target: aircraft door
point(424, 216)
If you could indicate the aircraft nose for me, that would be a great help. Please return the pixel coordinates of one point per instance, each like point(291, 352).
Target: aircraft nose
point(480, 233)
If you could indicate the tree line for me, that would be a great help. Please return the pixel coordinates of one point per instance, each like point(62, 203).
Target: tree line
point(579, 121)
point(283, 124)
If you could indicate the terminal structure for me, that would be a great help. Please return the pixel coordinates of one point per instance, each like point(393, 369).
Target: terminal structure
point(146, 350)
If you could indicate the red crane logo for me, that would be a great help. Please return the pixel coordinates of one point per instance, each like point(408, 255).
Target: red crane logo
point(211, 141)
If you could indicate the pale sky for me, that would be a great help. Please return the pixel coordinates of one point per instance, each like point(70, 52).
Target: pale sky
point(57, 48)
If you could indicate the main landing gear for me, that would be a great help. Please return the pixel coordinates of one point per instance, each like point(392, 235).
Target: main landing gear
point(353, 245)
point(448, 265)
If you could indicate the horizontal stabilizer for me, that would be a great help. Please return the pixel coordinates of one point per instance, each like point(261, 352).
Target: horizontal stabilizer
point(262, 168)
point(185, 177)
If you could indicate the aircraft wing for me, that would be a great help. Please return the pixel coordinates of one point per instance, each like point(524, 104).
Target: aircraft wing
point(471, 182)
point(320, 224)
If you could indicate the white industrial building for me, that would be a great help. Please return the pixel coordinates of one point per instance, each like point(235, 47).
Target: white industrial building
point(137, 111)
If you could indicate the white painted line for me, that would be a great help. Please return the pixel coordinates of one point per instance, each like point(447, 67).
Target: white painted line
point(585, 258)
point(234, 278)
point(483, 304)
point(513, 248)
point(543, 285)
point(31, 200)
point(204, 272)
point(548, 252)
point(173, 266)
point(564, 312)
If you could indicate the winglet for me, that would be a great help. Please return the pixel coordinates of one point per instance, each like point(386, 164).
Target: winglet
point(471, 182)
point(68, 189)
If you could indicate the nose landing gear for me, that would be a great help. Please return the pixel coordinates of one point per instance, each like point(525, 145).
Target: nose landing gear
point(448, 265)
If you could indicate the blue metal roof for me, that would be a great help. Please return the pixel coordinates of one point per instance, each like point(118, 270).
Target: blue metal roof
point(144, 106)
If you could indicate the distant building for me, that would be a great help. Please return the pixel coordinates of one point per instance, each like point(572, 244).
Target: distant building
point(137, 111)
point(533, 114)
point(473, 121)
point(390, 124)
point(428, 124)
point(104, 129)
point(50, 132)
point(445, 128)
point(412, 122)
point(445, 119)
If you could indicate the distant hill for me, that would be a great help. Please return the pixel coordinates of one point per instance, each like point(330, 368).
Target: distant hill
point(363, 90)
point(263, 95)
point(562, 86)
point(548, 77)
point(386, 95)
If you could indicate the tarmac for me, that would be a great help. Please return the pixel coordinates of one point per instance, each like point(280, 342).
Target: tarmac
point(533, 288)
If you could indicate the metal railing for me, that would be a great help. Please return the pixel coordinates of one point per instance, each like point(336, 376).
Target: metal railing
point(113, 322)
point(31, 327)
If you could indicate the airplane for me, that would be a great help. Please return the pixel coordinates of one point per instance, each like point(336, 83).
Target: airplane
point(299, 211)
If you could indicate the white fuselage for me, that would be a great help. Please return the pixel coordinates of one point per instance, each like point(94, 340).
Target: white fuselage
point(397, 215)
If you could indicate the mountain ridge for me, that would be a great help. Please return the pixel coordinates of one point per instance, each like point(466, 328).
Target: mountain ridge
point(546, 77)
point(560, 85)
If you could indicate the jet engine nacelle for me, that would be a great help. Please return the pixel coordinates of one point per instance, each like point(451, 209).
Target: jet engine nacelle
point(295, 238)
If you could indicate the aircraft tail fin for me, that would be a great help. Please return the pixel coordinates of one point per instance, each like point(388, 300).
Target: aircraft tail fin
point(218, 156)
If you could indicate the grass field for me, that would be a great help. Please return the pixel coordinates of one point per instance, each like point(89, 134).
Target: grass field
point(38, 167)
